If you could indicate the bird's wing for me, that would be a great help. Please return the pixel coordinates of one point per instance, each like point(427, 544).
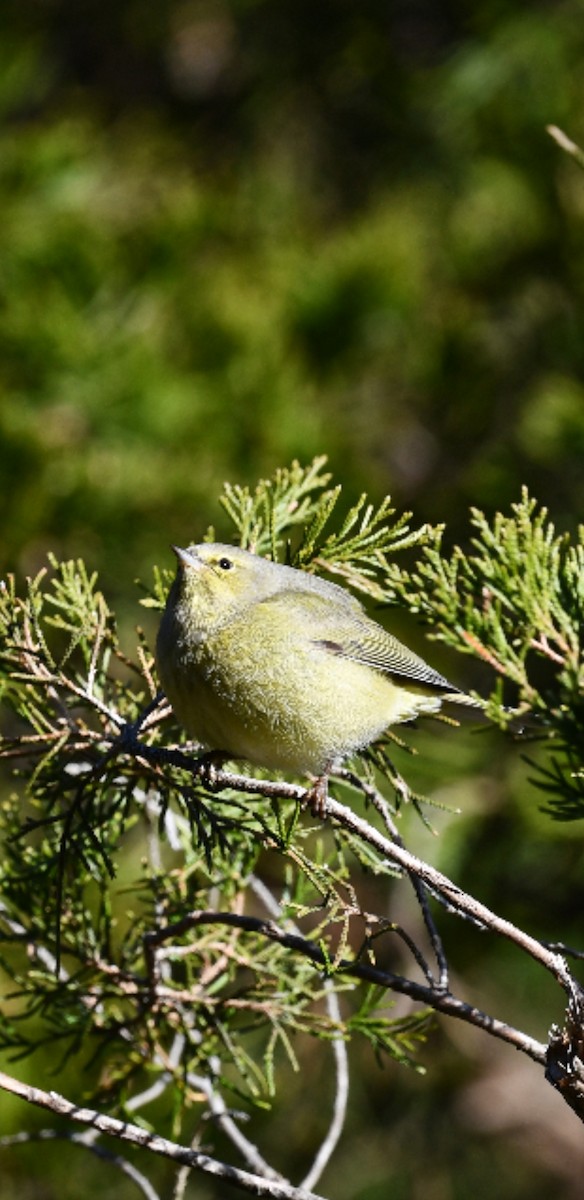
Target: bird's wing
point(347, 633)
point(374, 647)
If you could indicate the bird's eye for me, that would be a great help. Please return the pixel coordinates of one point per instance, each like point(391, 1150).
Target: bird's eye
point(225, 564)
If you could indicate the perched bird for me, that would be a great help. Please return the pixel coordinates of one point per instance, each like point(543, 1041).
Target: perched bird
point(270, 664)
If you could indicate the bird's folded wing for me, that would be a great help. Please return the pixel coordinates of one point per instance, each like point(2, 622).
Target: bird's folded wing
point(375, 648)
point(351, 634)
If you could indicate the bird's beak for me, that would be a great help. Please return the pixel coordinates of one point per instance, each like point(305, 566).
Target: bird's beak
point(185, 558)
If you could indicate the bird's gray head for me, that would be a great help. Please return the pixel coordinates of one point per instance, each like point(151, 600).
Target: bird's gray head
point(216, 581)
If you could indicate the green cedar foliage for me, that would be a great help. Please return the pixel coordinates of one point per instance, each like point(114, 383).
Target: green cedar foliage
point(127, 873)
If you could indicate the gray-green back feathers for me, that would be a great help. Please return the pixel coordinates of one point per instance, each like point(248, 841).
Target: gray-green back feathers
point(339, 622)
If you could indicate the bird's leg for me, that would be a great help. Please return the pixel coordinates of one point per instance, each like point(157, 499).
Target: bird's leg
point(317, 796)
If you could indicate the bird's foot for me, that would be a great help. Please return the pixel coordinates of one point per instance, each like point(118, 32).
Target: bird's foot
point(207, 767)
point(317, 797)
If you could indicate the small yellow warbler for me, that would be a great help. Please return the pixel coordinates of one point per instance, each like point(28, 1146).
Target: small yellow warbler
point(273, 665)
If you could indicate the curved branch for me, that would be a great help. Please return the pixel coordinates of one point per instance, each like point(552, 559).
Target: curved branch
point(339, 1048)
point(434, 997)
point(225, 1122)
point(335, 1129)
point(87, 1142)
point(138, 1136)
point(395, 852)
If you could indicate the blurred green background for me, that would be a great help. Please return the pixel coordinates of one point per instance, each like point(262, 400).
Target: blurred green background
point(234, 232)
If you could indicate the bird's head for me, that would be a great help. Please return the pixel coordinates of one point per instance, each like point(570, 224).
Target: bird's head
point(216, 581)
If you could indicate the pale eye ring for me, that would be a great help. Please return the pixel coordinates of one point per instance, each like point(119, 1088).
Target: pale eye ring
point(225, 564)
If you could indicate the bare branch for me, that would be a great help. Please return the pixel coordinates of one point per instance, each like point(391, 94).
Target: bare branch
point(341, 1095)
point(442, 1001)
point(87, 1142)
point(225, 1121)
point(439, 884)
point(137, 1136)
